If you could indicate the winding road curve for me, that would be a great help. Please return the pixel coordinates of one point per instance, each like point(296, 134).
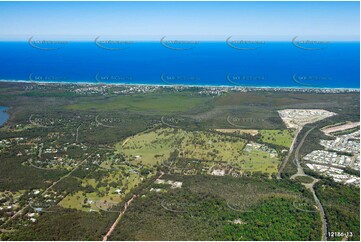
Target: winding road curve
point(101, 124)
point(309, 186)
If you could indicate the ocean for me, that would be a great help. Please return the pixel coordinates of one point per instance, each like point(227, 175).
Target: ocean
point(270, 64)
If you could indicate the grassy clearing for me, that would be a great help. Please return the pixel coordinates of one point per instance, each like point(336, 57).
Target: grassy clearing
point(239, 131)
point(278, 137)
point(90, 201)
point(156, 146)
point(258, 160)
point(211, 147)
point(103, 196)
point(153, 148)
point(148, 148)
point(304, 179)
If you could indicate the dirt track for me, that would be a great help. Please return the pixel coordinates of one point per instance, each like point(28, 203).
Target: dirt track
point(126, 205)
point(105, 238)
point(46, 190)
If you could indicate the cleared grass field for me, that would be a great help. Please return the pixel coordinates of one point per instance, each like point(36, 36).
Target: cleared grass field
point(156, 147)
point(211, 147)
point(77, 201)
point(257, 160)
point(149, 148)
point(94, 201)
point(278, 137)
point(304, 179)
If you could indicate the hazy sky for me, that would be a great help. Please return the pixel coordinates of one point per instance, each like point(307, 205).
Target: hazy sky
point(336, 20)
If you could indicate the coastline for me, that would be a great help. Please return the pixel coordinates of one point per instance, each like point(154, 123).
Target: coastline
point(224, 87)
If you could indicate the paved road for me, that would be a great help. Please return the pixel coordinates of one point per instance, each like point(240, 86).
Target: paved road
point(309, 186)
point(300, 171)
point(288, 155)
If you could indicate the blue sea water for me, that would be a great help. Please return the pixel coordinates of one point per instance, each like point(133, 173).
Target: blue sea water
point(274, 64)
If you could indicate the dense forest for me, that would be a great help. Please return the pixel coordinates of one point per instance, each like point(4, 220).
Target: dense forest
point(221, 208)
point(342, 207)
